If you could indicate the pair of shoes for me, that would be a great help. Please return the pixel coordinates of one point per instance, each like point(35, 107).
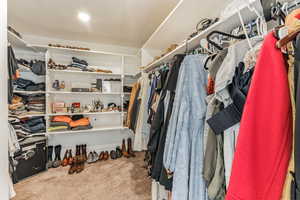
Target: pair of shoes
point(57, 159)
point(104, 155)
point(92, 157)
point(129, 152)
point(68, 158)
point(77, 164)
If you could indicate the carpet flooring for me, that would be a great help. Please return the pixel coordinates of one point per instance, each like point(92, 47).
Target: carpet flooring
point(121, 179)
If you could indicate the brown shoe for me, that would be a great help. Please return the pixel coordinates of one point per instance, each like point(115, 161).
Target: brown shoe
point(130, 150)
point(84, 152)
point(106, 155)
point(124, 151)
point(65, 159)
point(101, 156)
point(80, 160)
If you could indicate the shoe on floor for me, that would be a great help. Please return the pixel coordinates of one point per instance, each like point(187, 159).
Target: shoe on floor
point(90, 158)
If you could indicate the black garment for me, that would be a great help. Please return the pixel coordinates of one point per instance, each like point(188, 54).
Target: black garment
point(135, 110)
point(295, 193)
point(12, 70)
point(159, 126)
point(27, 85)
point(238, 90)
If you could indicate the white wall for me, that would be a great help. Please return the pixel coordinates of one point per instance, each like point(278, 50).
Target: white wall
point(3, 103)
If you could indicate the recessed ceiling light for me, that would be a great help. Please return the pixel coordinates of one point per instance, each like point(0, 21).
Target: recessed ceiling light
point(84, 17)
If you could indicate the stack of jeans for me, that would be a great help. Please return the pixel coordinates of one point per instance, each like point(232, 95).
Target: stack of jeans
point(78, 64)
point(27, 85)
point(29, 126)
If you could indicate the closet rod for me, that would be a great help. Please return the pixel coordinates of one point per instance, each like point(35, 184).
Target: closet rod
point(225, 25)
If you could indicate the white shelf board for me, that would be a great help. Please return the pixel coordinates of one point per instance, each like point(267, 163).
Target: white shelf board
point(225, 25)
point(82, 113)
point(25, 116)
point(29, 92)
point(84, 93)
point(88, 130)
point(82, 72)
point(44, 48)
point(19, 43)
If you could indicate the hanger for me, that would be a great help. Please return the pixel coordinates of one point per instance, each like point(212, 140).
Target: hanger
point(208, 38)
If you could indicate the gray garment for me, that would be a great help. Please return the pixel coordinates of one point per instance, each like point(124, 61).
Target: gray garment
point(213, 170)
point(214, 65)
point(184, 142)
point(158, 191)
point(224, 77)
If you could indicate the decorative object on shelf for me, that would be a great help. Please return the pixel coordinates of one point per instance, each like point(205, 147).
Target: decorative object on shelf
point(59, 107)
point(98, 85)
point(69, 47)
point(97, 106)
point(55, 85)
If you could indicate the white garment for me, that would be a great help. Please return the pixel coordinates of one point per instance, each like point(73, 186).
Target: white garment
point(142, 130)
point(13, 143)
point(158, 191)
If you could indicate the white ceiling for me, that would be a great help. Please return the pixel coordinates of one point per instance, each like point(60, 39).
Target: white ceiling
point(119, 22)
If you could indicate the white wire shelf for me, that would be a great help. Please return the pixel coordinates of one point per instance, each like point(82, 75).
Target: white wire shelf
point(84, 113)
point(29, 92)
point(84, 93)
point(88, 130)
point(225, 25)
point(83, 72)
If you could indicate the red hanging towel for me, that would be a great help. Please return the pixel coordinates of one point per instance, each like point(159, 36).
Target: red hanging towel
point(264, 143)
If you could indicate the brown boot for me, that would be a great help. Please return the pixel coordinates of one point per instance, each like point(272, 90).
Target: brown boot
point(130, 150)
point(65, 160)
point(74, 165)
point(84, 152)
point(70, 157)
point(80, 164)
point(124, 151)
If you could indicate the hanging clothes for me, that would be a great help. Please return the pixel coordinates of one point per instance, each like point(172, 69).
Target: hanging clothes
point(183, 153)
point(142, 128)
point(12, 71)
point(264, 143)
point(132, 101)
point(160, 124)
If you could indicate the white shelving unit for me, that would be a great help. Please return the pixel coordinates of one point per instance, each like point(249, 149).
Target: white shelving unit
point(108, 123)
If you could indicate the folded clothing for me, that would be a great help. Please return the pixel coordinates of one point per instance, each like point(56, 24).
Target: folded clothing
point(77, 128)
point(78, 61)
point(62, 118)
point(81, 122)
point(52, 124)
point(27, 85)
point(58, 128)
point(127, 88)
point(30, 126)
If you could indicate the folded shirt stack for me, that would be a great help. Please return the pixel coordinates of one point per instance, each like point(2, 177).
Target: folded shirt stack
point(27, 85)
point(78, 64)
point(29, 126)
point(63, 123)
point(36, 103)
point(27, 105)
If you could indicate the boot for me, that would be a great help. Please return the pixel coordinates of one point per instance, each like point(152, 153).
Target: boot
point(49, 156)
point(80, 161)
point(124, 151)
point(65, 160)
point(73, 167)
point(70, 157)
point(130, 150)
point(84, 152)
point(57, 160)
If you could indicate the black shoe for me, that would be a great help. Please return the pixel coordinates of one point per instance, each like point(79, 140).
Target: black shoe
point(119, 152)
point(113, 154)
point(49, 156)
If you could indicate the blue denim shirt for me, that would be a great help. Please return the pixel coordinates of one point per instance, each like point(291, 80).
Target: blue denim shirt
point(184, 143)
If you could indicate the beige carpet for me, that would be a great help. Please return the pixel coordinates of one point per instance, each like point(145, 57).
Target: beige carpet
point(122, 179)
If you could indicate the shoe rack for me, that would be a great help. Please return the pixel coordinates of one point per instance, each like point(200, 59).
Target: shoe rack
point(102, 122)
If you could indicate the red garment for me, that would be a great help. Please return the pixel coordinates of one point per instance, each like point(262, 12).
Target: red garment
point(264, 142)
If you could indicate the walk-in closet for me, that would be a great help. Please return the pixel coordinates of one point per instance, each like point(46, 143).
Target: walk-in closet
point(150, 100)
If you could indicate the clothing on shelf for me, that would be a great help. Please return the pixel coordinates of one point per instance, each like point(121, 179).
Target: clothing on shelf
point(27, 85)
point(133, 106)
point(64, 123)
point(12, 71)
